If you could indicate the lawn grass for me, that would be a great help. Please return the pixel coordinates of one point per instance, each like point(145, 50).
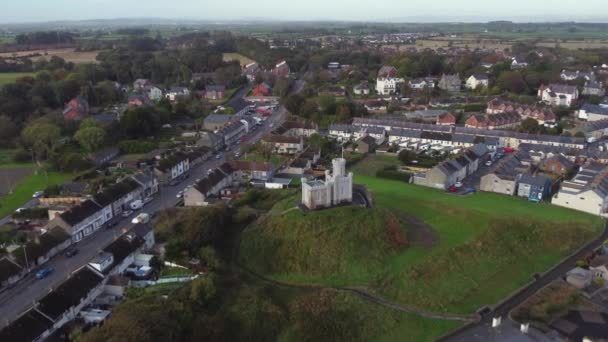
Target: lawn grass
point(489, 245)
point(24, 190)
point(11, 77)
point(374, 163)
point(171, 272)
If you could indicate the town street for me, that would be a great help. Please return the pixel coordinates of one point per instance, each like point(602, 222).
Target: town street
point(17, 299)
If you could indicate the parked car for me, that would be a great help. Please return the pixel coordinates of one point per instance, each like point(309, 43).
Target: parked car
point(70, 252)
point(44, 272)
point(38, 194)
point(180, 194)
point(458, 184)
point(141, 218)
point(219, 156)
point(452, 189)
point(20, 210)
point(489, 163)
point(127, 213)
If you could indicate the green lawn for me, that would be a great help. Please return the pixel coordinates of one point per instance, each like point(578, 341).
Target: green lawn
point(24, 190)
point(10, 77)
point(488, 245)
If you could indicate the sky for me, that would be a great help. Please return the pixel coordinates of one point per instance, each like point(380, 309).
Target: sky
point(14, 11)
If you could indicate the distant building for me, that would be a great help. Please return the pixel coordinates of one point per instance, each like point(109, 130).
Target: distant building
point(361, 88)
point(591, 112)
point(262, 89)
point(447, 119)
point(251, 70)
point(215, 92)
point(476, 81)
point(214, 122)
point(336, 189)
point(558, 94)
point(176, 92)
point(76, 109)
point(388, 85)
point(593, 88)
point(450, 83)
point(281, 69)
point(154, 93)
point(534, 187)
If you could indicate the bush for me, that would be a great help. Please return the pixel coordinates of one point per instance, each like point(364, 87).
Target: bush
point(394, 175)
point(136, 146)
point(71, 162)
point(32, 214)
point(22, 156)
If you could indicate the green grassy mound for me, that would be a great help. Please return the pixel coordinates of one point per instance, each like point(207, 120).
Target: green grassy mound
point(343, 245)
point(488, 245)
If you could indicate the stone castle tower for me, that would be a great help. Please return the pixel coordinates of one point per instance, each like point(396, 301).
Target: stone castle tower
point(337, 187)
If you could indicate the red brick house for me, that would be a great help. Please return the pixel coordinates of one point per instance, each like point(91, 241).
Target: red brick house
point(447, 119)
point(493, 121)
point(76, 109)
point(215, 92)
point(557, 165)
point(262, 89)
point(540, 114)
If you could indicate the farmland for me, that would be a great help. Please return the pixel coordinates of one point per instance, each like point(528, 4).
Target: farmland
point(418, 247)
point(69, 54)
point(11, 77)
point(230, 56)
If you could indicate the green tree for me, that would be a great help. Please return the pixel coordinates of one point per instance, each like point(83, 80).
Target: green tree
point(42, 137)
point(91, 138)
point(511, 81)
point(8, 131)
point(529, 125)
point(203, 289)
point(209, 257)
point(407, 156)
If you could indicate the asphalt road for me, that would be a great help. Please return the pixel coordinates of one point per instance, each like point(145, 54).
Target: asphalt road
point(17, 299)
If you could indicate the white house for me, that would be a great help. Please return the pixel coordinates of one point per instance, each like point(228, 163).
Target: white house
point(421, 83)
point(587, 191)
point(479, 80)
point(154, 93)
point(558, 94)
point(388, 85)
point(175, 92)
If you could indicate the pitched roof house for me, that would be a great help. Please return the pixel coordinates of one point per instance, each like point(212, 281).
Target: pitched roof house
point(76, 109)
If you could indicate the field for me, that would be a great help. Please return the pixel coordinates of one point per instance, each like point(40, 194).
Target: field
point(505, 40)
point(231, 56)
point(24, 189)
point(69, 54)
point(460, 253)
point(11, 77)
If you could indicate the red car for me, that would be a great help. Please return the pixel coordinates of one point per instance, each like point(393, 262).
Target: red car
point(453, 189)
point(509, 150)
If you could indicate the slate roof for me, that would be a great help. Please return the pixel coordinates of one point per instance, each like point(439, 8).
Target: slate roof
point(70, 293)
point(115, 192)
point(80, 212)
point(594, 109)
point(207, 183)
point(218, 88)
point(27, 327)
point(122, 247)
point(8, 269)
point(536, 180)
point(220, 119)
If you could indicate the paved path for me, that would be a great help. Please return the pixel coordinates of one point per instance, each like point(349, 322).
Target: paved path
point(18, 298)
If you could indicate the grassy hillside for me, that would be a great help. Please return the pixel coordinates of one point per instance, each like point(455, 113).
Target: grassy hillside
point(488, 245)
point(340, 246)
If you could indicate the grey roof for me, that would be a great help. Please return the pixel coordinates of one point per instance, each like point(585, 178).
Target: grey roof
point(80, 212)
point(406, 133)
point(217, 87)
point(595, 126)
point(220, 119)
point(595, 109)
point(562, 88)
point(537, 180)
point(343, 128)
